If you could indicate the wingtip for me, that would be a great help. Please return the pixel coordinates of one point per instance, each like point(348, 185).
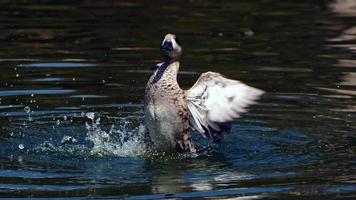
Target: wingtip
point(256, 93)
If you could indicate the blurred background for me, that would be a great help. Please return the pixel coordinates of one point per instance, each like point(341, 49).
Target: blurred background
point(71, 96)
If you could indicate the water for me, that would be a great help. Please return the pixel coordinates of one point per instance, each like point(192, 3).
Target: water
point(72, 80)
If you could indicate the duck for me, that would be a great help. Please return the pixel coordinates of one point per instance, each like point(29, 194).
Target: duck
point(172, 114)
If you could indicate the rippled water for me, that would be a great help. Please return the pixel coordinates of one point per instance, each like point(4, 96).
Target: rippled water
point(72, 80)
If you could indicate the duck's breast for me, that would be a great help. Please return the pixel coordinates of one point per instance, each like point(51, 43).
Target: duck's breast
point(165, 114)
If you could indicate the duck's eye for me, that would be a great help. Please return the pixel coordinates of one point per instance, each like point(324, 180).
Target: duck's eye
point(178, 41)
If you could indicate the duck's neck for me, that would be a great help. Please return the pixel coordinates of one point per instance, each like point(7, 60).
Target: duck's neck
point(169, 69)
point(172, 65)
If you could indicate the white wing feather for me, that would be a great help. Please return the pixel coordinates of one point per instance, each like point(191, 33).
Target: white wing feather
point(215, 99)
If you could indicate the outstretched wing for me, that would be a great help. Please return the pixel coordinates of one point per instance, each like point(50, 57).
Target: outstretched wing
point(215, 100)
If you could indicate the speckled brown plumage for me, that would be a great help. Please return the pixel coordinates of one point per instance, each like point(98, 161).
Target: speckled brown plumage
point(165, 102)
point(207, 107)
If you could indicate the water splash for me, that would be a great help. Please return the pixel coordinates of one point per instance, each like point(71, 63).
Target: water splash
point(68, 139)
point(123, 138)
point(91, 115)
point(116, 141)
point(21, 146)
point(27, 109)
point(96, 140)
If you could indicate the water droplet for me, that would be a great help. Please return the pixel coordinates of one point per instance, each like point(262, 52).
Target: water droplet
point(64, 118)
point(32, 95)
point(58, 122)
point(83, 99)
point(46, 146)
point(73, 78)
point(249, 33)
point(87, 126)
point(20, 159)
point(97, 122)
point(21, 146)
point(30, 119)
point(27, 109)
point(141, 129)
point(68, 139)
point(104, 81)
point(17, 75)
point(90, 115)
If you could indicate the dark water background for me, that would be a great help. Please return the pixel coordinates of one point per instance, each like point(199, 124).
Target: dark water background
point(71, 92)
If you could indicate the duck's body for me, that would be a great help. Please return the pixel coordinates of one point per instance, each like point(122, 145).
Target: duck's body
point(171, 112)
point(166, 108)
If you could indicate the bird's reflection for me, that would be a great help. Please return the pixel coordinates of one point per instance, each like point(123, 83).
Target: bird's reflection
point(345, 9)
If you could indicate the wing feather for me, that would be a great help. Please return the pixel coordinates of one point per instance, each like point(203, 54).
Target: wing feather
point(215, 100)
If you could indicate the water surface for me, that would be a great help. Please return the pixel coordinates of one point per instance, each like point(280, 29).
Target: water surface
point(71, 93)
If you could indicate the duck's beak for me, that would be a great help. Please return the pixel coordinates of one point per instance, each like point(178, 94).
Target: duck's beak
point(167, 45)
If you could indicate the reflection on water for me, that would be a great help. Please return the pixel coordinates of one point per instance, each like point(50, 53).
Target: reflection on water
point(345, 40)
point(72, 80)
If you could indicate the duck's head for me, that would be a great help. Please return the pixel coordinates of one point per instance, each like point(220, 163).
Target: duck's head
point(171, 47)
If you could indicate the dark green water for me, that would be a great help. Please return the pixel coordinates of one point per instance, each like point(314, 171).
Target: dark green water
point(66, 64)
